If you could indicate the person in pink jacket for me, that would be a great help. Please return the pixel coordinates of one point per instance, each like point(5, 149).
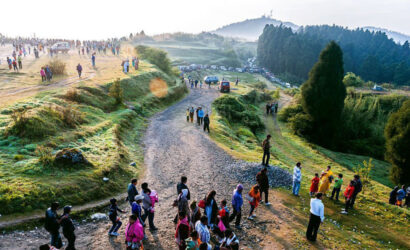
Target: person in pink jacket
point(134, 233)
point(43, 74)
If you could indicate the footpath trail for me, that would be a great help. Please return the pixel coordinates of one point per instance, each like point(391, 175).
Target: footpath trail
point(174, 147)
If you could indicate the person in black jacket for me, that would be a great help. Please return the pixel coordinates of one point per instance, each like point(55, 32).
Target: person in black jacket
point(68, 228)
point(263, 182)
point(52, 225)
point(132, 191)
point(358, 186)
point(206, 123)
point(393, 195)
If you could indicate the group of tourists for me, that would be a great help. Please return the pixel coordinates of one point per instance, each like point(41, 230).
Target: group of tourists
point(46, 73)
point(272, 108)
point(400, 196)
point(126, 64)
point(196, 83)
point(201, 117)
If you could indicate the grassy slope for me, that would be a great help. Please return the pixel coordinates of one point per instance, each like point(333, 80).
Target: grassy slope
point(373, 224)
point(109, 139)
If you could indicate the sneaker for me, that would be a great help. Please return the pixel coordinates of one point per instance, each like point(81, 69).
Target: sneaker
point(267, 204)
point(253, 216)
point(343, 212)
point(250, 218)
point(115, 234)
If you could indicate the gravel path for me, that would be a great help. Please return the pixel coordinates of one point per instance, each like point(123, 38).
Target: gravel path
point(174, 147)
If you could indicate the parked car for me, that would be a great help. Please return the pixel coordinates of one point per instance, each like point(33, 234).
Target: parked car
point(225, 87)
point(239, 70)
point(222, 68)
point(377, 88)
point(211, 79)
point(214, 67)
point(62, 47)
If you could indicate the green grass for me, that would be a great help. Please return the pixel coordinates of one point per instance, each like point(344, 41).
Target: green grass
point(373, 224)
point(109, 138)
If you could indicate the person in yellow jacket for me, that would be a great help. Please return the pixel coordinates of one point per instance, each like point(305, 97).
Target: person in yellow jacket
point(325, 180)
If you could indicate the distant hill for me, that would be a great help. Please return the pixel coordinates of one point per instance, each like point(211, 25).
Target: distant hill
point(251, 29)
point(397, 36)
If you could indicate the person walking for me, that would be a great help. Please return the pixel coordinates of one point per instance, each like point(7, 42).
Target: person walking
point(237, 81)
point(297, 178)
point(196, 83)
point(49, 74)
point(237, 202)
point(197, 115)
point(268, 108)
point(206, 123)
point(182, 230)
point(68, 228)
point(314, 186)
point(147, 205)
point(115, 219)
point(317, 211)
point(348, 195)
point(358, 186)
point(187, 114)
point(10, 63)
point(254, 197)
point(263, 182)
point(276, 107)
point(201, 115)
point(93, 59)
point(132, 191)
point(182, 185)
point(134, 233)
point(393, 195)
point(191, 114)
point(266, 151)
point(43, 75)
point(183, 203)
point(325, 180)
point(20, 62)
point(211, 208)
point(337, 187)
point(79, 70)
point(15, 68)
point(401, 194)
point(52, 225)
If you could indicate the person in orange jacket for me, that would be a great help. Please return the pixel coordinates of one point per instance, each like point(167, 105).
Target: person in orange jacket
point(254, 199)
point(348, 195)
point(315, 185)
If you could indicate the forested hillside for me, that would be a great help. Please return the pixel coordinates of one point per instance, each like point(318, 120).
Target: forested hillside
point(372, 55)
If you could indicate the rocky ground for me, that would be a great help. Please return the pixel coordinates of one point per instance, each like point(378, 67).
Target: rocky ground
point(174, 147)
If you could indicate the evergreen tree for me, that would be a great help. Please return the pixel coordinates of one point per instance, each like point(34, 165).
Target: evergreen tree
point(323, 94)
point(397, 133)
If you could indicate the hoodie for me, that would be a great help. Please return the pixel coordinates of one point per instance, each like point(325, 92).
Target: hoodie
point(134, 232)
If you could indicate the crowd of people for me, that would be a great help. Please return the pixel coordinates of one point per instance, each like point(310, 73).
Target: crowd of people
point(201, 117)
point(272, 108)
point(126, 64)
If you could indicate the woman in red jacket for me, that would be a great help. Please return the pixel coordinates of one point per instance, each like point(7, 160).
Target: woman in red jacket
point(348, 195)
point(315, 185)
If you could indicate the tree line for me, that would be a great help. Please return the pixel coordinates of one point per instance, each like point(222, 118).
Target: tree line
point(371, 55)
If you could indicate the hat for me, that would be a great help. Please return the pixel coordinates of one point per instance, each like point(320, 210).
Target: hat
point(239, 187)
point(67, 209)
point(138, 197)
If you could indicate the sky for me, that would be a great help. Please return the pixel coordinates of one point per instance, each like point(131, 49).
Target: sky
point(100, 19)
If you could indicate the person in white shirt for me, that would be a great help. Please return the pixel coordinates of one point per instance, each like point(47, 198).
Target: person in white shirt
point(202, 229)
point(317, 215)
point(297, 177)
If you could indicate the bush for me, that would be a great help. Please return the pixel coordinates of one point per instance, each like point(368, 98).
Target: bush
point(71, 116)
point(116, 91)
point(18, 157)
point(57, 67)
point(72, 95)
point(260, 85)
point(301, 124)
point(351, 80)
point(155, 56)
point(290, 111)
point(45, 155)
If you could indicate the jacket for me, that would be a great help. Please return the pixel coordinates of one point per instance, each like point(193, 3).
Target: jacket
point(195, 216)
point(183, 202)
point(338, 183)
point(191, 244)
point(203, 232)
point(358, 186)
point(266, 145)
point(256, 197)
point(237, 200)
point(262, 180)
point(315, 184)
point(132, 192)
point(146, 202)
point(67, 225)
point(113, 214)
point(136, 210)
point(297, 174)
point(214, 214)
point(134, 232)
point(181, 186)
point(401, 194)
point(182, 232)
point(206, 120)
point(349, 191)
point(51, 223)
point(201, 113)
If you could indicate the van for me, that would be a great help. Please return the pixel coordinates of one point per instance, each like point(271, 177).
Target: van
point(225, 87)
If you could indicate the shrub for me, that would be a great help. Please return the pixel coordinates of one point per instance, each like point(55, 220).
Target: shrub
point(57, 67)
point(301, 124)
point(45, 155)
point(276, 94)
point(351, 80)
point(155, 56)
point(71, 116)
point(364, 172)
point(18, 157)
point(260, 85)
point(72, 95)
point(288, 112)
point(115, 91)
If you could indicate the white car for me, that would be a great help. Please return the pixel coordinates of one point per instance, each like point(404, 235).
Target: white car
point(62, 47)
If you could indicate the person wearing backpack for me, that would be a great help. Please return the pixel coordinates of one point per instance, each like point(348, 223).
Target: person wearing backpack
point(52, 225)
point(115, 219)
point(68, 228)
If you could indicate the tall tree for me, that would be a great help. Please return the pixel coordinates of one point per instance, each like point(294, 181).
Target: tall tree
point(323, 94)
point(397, 133)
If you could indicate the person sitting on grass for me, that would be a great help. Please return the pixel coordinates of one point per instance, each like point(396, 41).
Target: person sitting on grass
point(337, 187)
point(315, 185)
point(348, 195)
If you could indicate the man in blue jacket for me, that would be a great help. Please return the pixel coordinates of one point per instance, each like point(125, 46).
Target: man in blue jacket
point(132, 191)
point(237, 203)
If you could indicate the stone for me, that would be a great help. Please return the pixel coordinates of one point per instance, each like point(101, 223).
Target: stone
point(70, 156)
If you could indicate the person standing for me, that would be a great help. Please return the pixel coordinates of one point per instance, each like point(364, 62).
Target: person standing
point(200, 115)
point(93, 59)
point(393, 195)
point(317, 211)
point(191, 114)
point(79, 70)
point(132, 191)
point(401, 194)
point(196, 83)
point(266, 150)
point(348, 195)
point(68, 228)
point(134, 233)
point(52, 225)
point(182, 230)
point(202, 229)
point(263, 182)
point(15, 68)
point(9, 62)
point(337, 187)
point(211, 208)
point(43, 75)
point(187, 114)
point(197, 115)
point(268, 108)
point(358, 186)
point(195, 214)
point(146, 205)
point(206, 123)
point(276, 107)
point(325, 180)
point(297, 178)
point(254, 199)
point(136, 208)
point(182, 185)
point(314, 186)
point(20, 62)
point(115, 219)
point(237, 81)
point(237, 202)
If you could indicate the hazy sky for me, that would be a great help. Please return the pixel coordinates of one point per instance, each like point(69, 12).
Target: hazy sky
point(98, 19)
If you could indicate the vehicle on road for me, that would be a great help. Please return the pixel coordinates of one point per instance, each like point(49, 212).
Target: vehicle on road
point(211, 79)
point(225, 87)
point(62, 47)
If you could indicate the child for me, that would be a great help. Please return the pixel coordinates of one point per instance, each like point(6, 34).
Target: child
point(315, 185)
point(348, 195)
point(193, 242)
point(154, 198)
point(195, 214)
point(113, 215)
point(337, 187)
point(224, 213)
point(134, 233)
point(254, 197)
point(43, 74)
point(136, 207)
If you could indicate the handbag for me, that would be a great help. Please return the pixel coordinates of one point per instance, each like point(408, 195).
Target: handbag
point(221, 226)
point(201, 204)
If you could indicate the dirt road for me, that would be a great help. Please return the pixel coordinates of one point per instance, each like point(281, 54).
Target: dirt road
point(174, 147)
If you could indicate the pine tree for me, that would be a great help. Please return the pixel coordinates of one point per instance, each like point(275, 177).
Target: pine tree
point(397, 134)
point(323, 94)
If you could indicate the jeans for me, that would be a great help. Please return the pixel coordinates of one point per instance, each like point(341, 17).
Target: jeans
point(353, 199)
point(71, 241)
point(296, 187)
point(150, 216)
point(335, 191)
point(206, 127)
point(313, 227)
point(266, 191)
point(56, 239)
point(238, 215)
point(266, 154)
point(115, 226)
point(252, 209)
point(348, 204)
